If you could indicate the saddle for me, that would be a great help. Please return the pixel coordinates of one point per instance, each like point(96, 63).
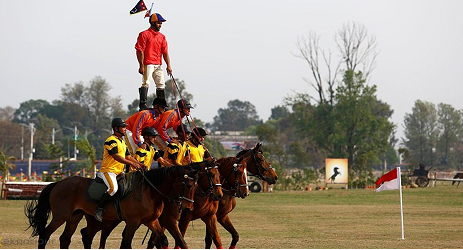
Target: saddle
point(125, 183)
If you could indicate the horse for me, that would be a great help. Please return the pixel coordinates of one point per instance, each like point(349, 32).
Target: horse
point(256, 164)
point(457, 176)
point(234, 181)
point(208, 185)
point(67, 202)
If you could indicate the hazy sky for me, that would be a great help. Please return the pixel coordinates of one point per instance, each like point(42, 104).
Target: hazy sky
point(227, 50)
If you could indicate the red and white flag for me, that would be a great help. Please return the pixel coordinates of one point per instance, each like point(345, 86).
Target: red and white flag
point(149, 12)
point(389, 181)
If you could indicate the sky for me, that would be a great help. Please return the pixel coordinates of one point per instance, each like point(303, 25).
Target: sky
point(226, 50)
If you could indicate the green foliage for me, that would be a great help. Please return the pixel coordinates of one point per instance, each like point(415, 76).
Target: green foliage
point(237, 116)
point(88, 151)
point(29, 110)
point(433, 135)
point(5, 164)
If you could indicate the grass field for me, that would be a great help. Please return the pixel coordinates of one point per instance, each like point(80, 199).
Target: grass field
point(335, 218)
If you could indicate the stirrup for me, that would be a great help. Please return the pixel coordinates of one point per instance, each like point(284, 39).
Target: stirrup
point(99, 214)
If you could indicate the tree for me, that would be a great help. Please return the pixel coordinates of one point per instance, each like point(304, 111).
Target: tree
point(450, 126)
point(7, 113)
point(88, 150)
point(28, 110)
point(421, 132)
point(237, 117)
point(362, 129)
point(74, 93)
point(12, 138)
point(6, 165)
point(98, 100)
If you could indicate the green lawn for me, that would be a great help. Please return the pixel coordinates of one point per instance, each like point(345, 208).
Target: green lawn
point(334, 218)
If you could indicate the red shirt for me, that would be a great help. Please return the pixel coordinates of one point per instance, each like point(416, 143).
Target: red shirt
point(169, 119)
point(138, 121)
point(153, 44)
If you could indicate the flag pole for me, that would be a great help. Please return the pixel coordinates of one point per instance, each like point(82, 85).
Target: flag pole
point(399, 176)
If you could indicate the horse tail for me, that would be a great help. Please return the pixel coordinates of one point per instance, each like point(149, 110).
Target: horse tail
point(38, 211)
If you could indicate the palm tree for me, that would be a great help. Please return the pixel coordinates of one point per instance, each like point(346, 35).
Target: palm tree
point(6, 165)
point(87, 149)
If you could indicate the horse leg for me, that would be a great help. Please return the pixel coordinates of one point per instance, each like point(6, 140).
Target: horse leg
point(227, 224)
point(93, 226)
point(157, 238)
point(158, 241)
point(130, 228)
point(212, 233)
point(174, 231)
point(106, 229)
point(71, 226)
point(183, 222)
point(55, 223)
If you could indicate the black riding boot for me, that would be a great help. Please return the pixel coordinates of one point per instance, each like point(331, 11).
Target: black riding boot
point(161, 93)
point(143, 91)
point(105, 199)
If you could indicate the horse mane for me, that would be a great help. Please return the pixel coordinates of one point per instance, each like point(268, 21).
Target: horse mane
point(227, 160)
point(159, 175)
point(242, 152)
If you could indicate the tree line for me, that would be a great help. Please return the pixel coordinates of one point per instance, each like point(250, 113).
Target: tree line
point(339, 117)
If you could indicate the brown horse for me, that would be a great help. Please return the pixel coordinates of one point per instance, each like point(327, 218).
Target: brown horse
point(234, 181)
point(208, 185)
point(67, 202)
point(457, 176)
point(258, 166)
point(232, 178)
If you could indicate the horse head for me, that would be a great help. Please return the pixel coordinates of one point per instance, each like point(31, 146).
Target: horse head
point(176, 184)
point(209, 179)
point(258, 165)
point(233, 173)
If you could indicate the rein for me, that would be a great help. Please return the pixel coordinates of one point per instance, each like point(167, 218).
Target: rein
point(260, 173)
point(208, 192)
point(180, 195)
point(233, 190)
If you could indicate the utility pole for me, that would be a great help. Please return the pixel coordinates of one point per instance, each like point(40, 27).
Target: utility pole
point(31, 152)
point(31, 155)
point(75, 144)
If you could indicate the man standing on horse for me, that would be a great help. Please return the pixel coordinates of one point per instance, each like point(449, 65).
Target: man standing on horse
point(115, 157)
point(148, 153)
point(143, 119)
point(171, 119)
point(151, 47)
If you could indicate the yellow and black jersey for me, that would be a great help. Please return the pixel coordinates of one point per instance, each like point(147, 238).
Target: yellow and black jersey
point(197, 153)
point(176, 152)
point(113, 145)
point(146, 156)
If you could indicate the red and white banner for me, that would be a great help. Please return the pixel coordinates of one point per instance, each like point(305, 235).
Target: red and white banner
point(389, 181)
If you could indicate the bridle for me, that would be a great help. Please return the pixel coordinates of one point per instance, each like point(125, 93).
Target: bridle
point(180, 197)
point(234, 189)
point(260, 168)
point(212, 185)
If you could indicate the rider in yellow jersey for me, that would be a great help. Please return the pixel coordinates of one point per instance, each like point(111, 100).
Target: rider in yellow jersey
point(196, 151)
point(115, 157)
point(176, 150)
point(147, 154)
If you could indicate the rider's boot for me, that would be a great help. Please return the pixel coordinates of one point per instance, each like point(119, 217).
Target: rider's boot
point(160, 93)
point(143, 91)
point(105, 199)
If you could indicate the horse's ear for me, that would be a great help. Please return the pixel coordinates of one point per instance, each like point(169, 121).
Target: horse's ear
point(258, 147)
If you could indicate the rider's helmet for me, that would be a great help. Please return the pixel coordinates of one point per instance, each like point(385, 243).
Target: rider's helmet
point(118, 122)
point(149, 131)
